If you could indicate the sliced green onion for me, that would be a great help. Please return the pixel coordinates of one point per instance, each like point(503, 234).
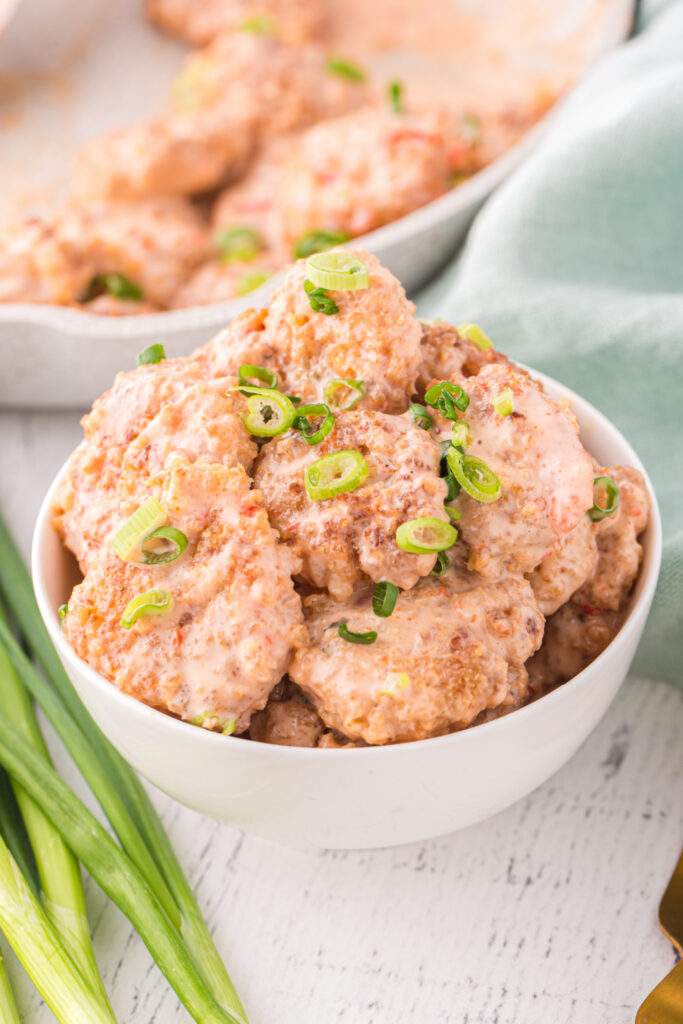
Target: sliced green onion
point(454, 514)
point(441, 564)
point(452, 485)
point(270, 412)
point(63, 611)
point(598, 512)
point(474, 333)
point(384, 598)
point(250, 282)
point(294, 399)
point(504, 403)
point(174, 544)
point(471, 127)
point(356, 638)
point(474, 476)
point(461, 435)
point(355, 389)
point(337, 271)
point(229, 727)
point(425, 535)
point(152, 602)
point(338, 473)
point(318, 241)
point(396, 96)
point(311, 433)
point(320, 301)
point(121, 287)
point(260, 25)
point(398, 681)
point(421, 416)
point(346, 69)
point(152, 354)
point(9, 1011)
point(127, 541)
point(448, 398)
point(248, 373)
point(116, 786)
point(239, 244)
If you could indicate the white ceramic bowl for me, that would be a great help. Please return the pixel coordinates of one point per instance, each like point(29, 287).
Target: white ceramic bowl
point(374, 796)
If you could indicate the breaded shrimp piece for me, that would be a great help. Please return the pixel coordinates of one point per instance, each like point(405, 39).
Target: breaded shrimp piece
point(215, 657)
point(355, 173)
point(290, 723)
point(448, 355)
point(217, 281)
point(546, 475)
point(108, 479)
point(155, 243)
point(172, 154)
point(566, 568)
point(451, 649)
point(574, 636)
point(40, 263)
point(619, 550)
point(251, 202)
point(295, 21)
point(341, 538)
point(374, 337)
point(244, 340)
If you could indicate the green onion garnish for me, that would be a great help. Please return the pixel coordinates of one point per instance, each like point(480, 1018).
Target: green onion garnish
point(441, 564)
point(452, 485)
point(461, 435)
point(384, 598)
point(318, 241)
point(152, 354)
point(346, 69)
point(454, 514)
point(229, 726)
point(474, 333)
point(338, 473)
point(607, 485)
point(248, 373)
point(120, 286)
point(425, 535)
point(320, 301)
point(294, 399)
point(127, 541)
point(504, 403)
point(447, 398)
point(310, 432)
point(355, 389)
point(396, 96)
point(250, 282)
point(474, 476)
point(260, 25)
point(356, 638)
point(239, 244)
point(63, 611)
point(270, 412)
point(471, 127)
point(173, 545)
point(152, 602)
point(421, 416)
point(338, 271)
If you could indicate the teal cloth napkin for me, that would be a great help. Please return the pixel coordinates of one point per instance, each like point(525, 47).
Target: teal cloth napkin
point(575, 266)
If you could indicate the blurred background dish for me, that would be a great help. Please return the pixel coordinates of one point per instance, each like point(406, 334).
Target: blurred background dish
point(507, 65)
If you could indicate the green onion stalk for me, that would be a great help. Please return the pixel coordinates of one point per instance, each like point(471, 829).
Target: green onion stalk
point(114, 872)
point(111, 778)
point(30, 933)
point(9, 1014)
point(58, 870)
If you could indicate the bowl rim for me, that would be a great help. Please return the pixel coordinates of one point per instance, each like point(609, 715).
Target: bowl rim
point(647, 581)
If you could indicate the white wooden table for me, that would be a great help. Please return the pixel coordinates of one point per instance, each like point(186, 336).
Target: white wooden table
point(545, 914)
